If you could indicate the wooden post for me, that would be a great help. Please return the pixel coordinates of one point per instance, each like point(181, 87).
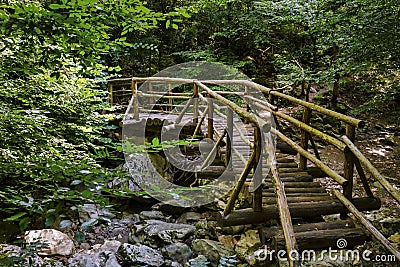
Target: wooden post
point(304, 138)
point(257, 166)
point(375, 173)
point(210, 124)
point(135, 100)
point(349, 164)
point(110, 93)
point(229, 139)
point(151, 99)
point(170, 100)
point(195, 103)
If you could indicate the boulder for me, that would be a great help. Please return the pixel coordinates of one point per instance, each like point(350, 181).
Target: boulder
point(189, 217)
point(179, 252)
point(54, 242)
point(156, 233)
point(92, 211)
point(152, 215)
point(98, 256)
point(248, 244)
point(213, 249)
point(142, 255)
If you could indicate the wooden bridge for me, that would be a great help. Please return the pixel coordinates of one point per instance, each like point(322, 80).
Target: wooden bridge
point(289, 191)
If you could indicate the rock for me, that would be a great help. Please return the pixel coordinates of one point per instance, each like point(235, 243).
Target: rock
point(108, 246)
point(179, 252)
point(98, 256)
point(206, 229)
point(200, 260)
point(213, 249)
point(112, 261)
point(91, 211)
point(10, 250)
point(142, 255)
point(57, 243)
point(86, 260)
point(248, 244)
point(228, 240)
point(157, 233)
point(188, 217)
point(85, 246)
point(152, 215)
point(168, 209)
point(232, 230)
point(395, 239)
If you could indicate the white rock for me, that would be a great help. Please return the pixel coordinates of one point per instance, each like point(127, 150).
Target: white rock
point(55, 242)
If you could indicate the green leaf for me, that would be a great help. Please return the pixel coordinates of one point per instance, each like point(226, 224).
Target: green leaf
point(167, 24)
point(175, 26)
point(87, 226)
point(76, 182)
point(50, 220)
point(15, 217)
point(79, 237)
point(65, 224)
point(23, 223)
point(56, 6)
point(155, 141)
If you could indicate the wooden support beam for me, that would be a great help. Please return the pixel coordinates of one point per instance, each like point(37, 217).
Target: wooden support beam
point(135, 100)
point(304, 138)
point(239, 185)
point(229, 139)
point(195, 103)
point(210, 122)
point(349, 163)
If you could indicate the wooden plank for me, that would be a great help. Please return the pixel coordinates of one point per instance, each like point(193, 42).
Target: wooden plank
point(297, 210)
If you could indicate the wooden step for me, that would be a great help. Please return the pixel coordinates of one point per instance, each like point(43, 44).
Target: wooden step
point(290, 199)
point(267, 233)
point(296, 184)
point(297, 210)
point(284, 159)
point(287, 165)
point(299, 190)
point(268, 195)
point(323, 239)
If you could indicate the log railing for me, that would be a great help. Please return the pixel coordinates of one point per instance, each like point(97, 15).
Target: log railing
point(202, 93)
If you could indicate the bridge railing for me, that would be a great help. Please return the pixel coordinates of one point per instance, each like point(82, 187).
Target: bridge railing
point(200, 88)
point(202, 92)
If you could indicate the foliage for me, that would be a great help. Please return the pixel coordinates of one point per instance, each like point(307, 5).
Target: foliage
point(54, 133)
